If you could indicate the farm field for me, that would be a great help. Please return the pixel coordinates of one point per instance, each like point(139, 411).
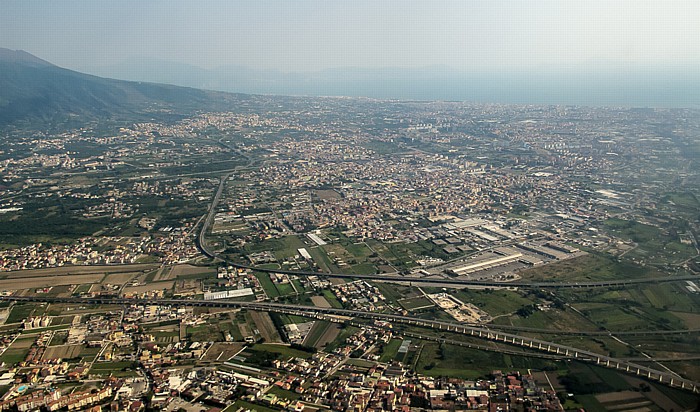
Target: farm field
point(16, 283)
point(62, 352)
point(76, 270)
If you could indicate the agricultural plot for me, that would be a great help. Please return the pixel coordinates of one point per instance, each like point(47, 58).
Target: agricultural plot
point(188, 271)
point(394, 293)
point(265, 326)
point(267, 285)
point(19, 312)
point(62, 352)
point(320, 258)
point(14, 355)
point(284, 351)
point(322, 333)
point(222, 351)
point(282, 248)
point(47, 281)
point(17, 352)
point(390, 350)
point(285, 289)
point(320, 301)
point(77, 271)
point(494, 302)
point(330, 297)
point(120, 278)
point(553, 319)
point(436, 359)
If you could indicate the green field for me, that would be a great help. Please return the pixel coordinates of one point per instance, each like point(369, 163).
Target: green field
point(415, 303)
point(330, 297)
point(299, 286)
point(12, 356)
point(444, 360)
point(345, 332)
point(320, 257)
point(390, 350)
point(114, 366)
point(552, 319)
point(267, 284)
point(494, 302)
point(363, 269)
point(285, 394)
point(282, 248)
point(590, 267)
point(653, 243)
point(284, 289)
point(284, 351)
point(394, 293)
point(82, 289)
point(316, 333)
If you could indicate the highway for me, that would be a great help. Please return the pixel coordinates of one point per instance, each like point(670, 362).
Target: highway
point(201, 241)
point(446, 282)
point(393, 277)
point(596, 332)
point(564, 351)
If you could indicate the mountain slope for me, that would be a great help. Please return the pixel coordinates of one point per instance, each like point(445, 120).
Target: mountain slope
point(32, 89)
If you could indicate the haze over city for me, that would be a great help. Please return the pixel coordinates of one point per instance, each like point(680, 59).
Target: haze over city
point(627, 53)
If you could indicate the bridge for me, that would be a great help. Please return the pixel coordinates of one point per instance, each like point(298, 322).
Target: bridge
point(476, 331)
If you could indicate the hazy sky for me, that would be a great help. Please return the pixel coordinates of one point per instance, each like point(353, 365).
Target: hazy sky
point(313, 35)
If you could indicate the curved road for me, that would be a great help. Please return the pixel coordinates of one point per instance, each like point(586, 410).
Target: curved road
point(392, 277)
point(206, 250)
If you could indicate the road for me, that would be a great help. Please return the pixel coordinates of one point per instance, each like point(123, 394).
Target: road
point(389, 277)
point(203, 246)
point(481, 332)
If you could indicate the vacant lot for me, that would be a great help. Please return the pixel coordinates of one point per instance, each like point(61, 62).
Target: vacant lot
point(222, 351)
point(320, 301)
point(327, 194)
point(120, 278)
point(151, 286)
point(62, 352)
point(416, 303)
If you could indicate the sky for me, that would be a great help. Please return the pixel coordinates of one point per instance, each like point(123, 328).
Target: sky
point(310, 35)
point(593, 52)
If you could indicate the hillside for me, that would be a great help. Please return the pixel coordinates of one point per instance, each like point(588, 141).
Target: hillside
point(34, 90)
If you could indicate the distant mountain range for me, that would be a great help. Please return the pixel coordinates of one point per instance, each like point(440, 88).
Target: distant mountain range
point(35, 90)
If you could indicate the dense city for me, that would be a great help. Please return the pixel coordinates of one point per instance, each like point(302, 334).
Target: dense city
point(389, 247)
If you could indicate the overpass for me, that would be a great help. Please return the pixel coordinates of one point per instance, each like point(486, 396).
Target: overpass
point(564, 351)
